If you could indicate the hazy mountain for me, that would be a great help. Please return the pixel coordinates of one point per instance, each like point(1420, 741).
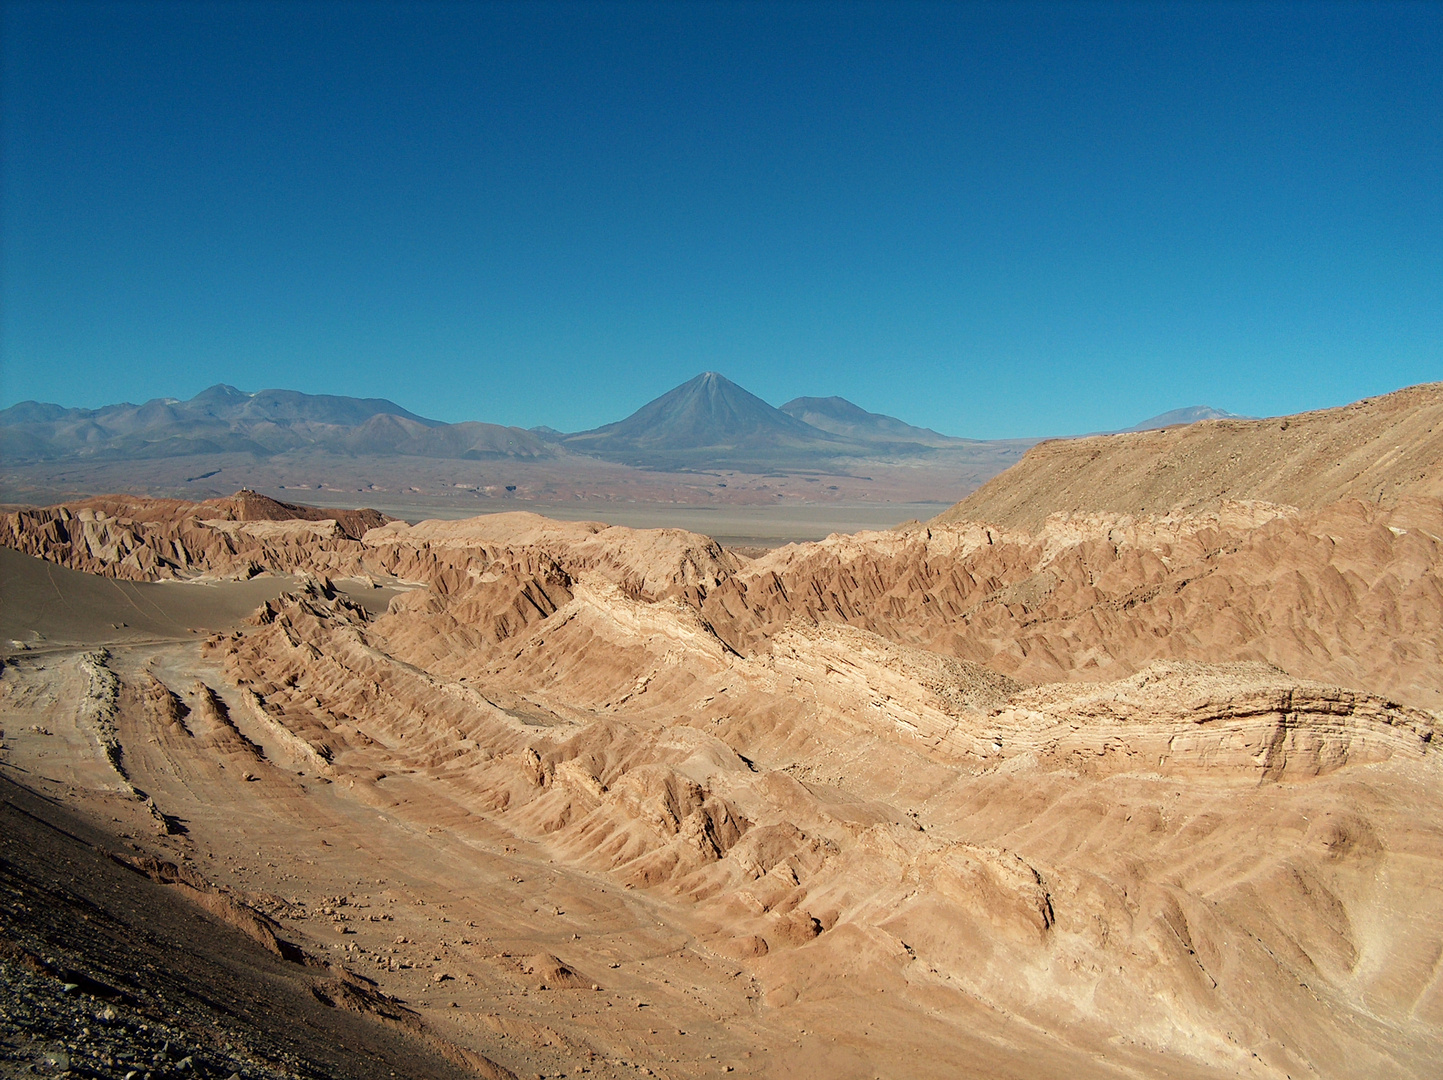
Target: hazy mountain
point(1191, 415)
point(709, 420)
point(840, 417)
point(709, 410)
point(224, 402)
point(223, 419)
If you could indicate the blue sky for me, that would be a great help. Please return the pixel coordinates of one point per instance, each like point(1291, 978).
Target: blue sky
point(991, 219)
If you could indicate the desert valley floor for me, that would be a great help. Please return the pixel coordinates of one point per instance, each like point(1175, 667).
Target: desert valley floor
point(1124, 767)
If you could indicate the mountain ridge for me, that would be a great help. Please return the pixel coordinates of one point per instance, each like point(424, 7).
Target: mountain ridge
point(698, 413)
point(839, 416)
point(1191, 414)
point(222, 419)
point(1379, 449)
point(707, 422)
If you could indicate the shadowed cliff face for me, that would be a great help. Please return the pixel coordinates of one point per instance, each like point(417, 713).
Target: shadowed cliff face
point(1115, 795)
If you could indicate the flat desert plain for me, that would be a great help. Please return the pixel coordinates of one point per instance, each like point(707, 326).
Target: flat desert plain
point(1054, 785)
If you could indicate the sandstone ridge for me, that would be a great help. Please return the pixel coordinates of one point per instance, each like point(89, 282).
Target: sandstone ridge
point(1378, 450)
point(1108, 793)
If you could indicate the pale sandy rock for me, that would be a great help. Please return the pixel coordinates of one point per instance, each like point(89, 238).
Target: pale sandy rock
point(1380, 450)
point(1115, 793)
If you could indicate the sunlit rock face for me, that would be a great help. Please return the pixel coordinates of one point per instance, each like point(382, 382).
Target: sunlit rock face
point(1097, 794)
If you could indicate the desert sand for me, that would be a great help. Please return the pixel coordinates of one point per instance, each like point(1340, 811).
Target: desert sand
point(1081, 789)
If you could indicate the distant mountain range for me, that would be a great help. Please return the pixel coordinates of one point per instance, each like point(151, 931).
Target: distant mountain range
point(223, 419)
point(708, 422)
point(707, 414)
point(712, 421)
point(1191, 415)
point(840, 417)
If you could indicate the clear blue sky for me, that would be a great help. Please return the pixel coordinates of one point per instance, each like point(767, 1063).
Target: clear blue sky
point(991, 219)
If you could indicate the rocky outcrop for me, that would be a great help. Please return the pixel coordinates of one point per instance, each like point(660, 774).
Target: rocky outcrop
point(966, 763)
point(154, 539)
point(1351, 594)
point(1180, 854)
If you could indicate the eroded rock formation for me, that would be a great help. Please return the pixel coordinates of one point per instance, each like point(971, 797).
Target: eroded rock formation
point(1163, 788)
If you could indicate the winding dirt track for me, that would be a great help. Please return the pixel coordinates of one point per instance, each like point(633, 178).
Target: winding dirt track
point(1116, 795)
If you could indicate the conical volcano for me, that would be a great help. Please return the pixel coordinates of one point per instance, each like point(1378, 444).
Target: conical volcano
point(709, 419)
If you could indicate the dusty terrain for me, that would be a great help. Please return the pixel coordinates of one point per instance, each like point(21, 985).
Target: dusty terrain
point(1378, 450)
point(1108, 793)
point(416, 488)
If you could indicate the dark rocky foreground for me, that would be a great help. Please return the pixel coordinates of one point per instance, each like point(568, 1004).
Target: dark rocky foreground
point(109, 973)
